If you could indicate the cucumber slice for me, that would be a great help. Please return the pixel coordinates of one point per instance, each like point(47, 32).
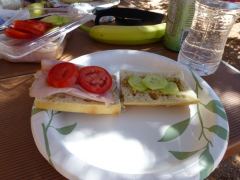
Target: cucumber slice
point(56, 20)
point(171, 89)
point(136, 83)
point(155, 82)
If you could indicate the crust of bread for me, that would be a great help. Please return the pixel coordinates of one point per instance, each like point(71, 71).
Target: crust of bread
point(67, 103)
point(186, 95)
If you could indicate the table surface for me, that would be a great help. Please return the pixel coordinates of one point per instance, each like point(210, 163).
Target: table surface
point(19, 156)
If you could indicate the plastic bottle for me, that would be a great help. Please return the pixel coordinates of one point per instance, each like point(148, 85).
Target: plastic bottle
point(179, 20)
point(203, 47)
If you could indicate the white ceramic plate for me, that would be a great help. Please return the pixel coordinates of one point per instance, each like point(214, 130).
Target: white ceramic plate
point(142, 142)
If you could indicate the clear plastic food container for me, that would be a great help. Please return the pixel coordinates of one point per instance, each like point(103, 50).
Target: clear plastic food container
point(51, 50)
point(49, 46)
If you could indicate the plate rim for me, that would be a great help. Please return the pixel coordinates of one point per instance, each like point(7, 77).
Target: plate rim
point(213, 94)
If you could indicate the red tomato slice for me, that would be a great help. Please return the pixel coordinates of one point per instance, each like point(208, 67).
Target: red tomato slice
point(35, 27)
point(94, 79)
point(13, 33)
point(63, 75)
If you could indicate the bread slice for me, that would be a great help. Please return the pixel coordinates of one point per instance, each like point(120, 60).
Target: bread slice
point(68, 103)
point(186, 95)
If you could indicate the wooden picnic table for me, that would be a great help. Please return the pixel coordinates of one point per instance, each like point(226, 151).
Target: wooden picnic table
point(19, 156)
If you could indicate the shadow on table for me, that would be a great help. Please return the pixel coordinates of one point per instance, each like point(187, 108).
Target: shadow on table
point(232, 52)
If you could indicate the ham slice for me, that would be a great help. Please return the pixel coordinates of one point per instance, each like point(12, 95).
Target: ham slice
point(46, 65)
point(41, 89)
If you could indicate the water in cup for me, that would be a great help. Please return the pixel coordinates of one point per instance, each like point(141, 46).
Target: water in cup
point(203, 48)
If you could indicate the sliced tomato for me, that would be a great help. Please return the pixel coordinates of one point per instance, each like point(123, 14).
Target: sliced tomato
point(94, 79)
point(13, 33)
point(63, 75)
point(35, 27)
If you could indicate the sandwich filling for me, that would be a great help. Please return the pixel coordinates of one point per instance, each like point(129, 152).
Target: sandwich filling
point(41, 89)
point(139, 88)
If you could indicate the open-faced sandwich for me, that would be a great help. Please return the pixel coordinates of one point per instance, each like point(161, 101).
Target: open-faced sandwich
point(154, 89)
point(64, 86)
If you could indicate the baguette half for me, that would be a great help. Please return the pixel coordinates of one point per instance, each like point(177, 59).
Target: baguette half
point(186, 95)
point(68, 103)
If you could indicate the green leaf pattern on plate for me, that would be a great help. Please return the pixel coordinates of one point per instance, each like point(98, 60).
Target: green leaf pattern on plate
point(182, 155)
point(206, 161)
point(198, 85)
point(219, 131)
point(175, 131)
point(215, 106)
point(45, 127)
point(66, 129)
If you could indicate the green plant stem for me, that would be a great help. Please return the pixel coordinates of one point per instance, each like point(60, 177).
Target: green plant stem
point(45, 130)
point(202, 127)
point(50, 121)
point(47, 143)
point(201, 121)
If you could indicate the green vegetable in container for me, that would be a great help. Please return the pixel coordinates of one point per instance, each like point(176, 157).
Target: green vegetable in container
point(56, 20)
